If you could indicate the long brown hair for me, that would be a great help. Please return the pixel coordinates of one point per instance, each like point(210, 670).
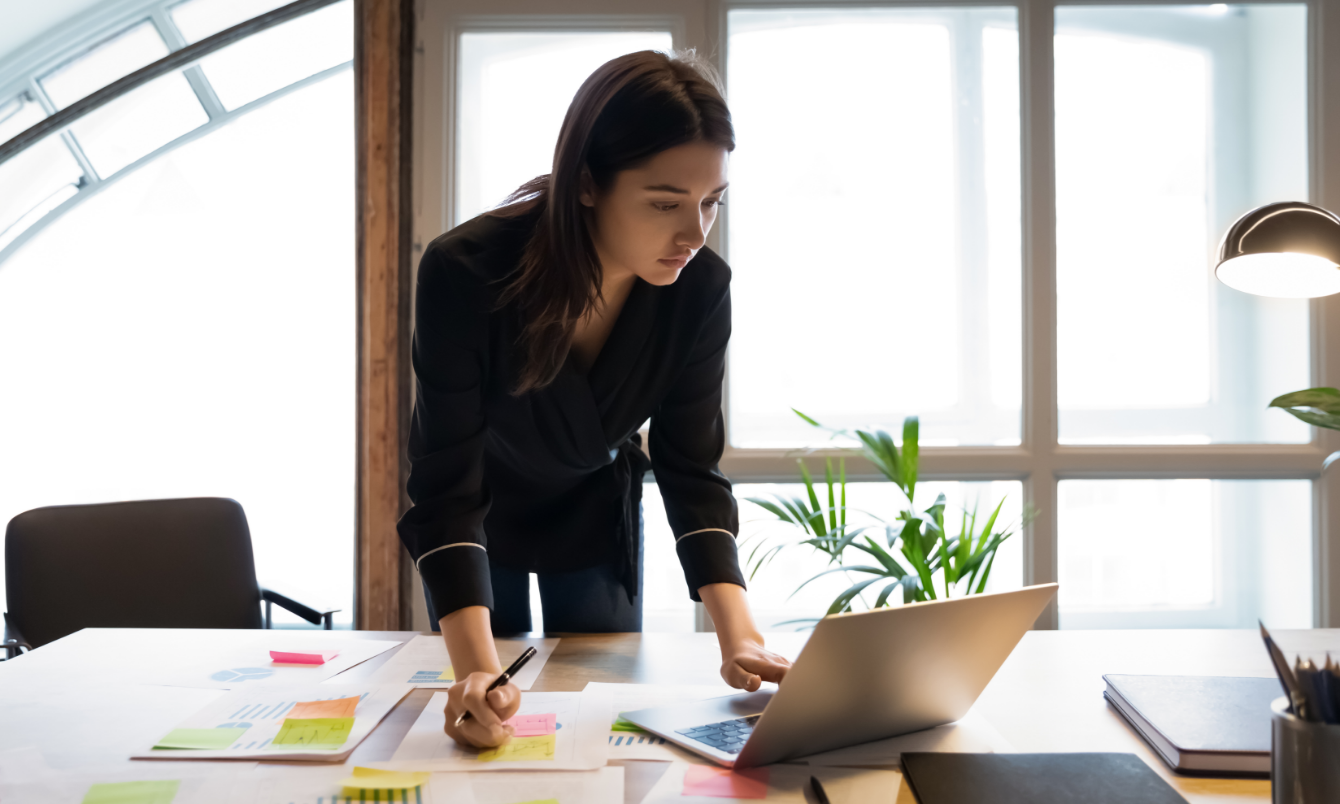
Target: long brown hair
point(630, 109)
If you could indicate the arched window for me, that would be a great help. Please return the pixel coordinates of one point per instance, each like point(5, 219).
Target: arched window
point(177, 279)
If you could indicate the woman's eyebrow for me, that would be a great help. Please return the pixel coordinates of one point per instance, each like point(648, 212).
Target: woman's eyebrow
point(669, 188)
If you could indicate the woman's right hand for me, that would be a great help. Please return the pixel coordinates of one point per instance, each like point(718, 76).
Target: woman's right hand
point(488, 710)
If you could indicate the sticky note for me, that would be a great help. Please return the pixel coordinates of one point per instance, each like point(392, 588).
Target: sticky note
point(520, 749)
point(704, 780)
point(156, 792)
point(201, 739)
point(340, 707)
point(289, 657)
point(625, 725)
point(321, 732)
point(533, 725)
point(432, 676)
point(371, 779)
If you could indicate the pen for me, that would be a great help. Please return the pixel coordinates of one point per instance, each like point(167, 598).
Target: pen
point(1297, 698)
point(818, 791)
point(501, 680)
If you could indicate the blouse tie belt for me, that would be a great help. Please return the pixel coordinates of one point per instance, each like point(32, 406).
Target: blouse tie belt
point(630, 465)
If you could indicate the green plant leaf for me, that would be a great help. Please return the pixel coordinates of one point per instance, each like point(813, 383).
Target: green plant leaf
point(1329, 421)
point(911, 455)
point(772, 508)
point(881, 555)
point(832, 502)
point(1326, 400)
point(843, 601)
point(807, 419)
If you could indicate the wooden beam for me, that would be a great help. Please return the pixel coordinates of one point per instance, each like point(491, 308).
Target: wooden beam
point(382, 55)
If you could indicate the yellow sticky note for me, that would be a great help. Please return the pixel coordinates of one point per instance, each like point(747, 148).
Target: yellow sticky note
point(447, 674)
point(340, 707)
point(373, 779)
point(520, 749)
point(322, 732)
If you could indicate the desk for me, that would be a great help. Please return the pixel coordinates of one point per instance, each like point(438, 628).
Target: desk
point(1047, 697)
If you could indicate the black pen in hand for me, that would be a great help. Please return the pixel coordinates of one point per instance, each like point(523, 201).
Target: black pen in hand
point(501, 680)
point(818, 790)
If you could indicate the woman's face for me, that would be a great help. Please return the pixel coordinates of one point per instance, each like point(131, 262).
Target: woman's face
point(652, 220)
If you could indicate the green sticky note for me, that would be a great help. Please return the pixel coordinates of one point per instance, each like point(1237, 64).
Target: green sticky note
point(620, 724)
point(157, 792)
point(201, 739)
point(317, 732)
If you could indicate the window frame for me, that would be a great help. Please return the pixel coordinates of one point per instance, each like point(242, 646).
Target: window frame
point(1039, 461)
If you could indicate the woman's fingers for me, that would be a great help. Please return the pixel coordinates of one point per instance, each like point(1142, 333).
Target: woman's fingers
point(768, 666)
point(484, 728)
point(505, 700)
point(748, 669)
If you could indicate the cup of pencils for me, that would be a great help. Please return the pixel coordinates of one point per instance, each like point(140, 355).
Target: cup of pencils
point(1305, 736)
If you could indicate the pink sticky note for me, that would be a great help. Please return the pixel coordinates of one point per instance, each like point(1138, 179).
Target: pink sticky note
point(533, 725)
point(704, 780)
point(286, 657)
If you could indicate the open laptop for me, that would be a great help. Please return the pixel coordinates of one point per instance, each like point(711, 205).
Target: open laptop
point(861, 677)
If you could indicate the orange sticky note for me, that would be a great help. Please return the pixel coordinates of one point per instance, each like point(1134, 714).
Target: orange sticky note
point(533, 725)
point(288, 657)
point(703, 780)
point(340, 707)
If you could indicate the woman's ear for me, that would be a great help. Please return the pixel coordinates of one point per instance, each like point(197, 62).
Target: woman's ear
point(586, 189)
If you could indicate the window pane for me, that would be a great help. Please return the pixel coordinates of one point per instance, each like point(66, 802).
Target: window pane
point(1185, 553)
point(282, 55)
point(514, 89)
point(197, 19)
point(36, 180)
point(208, 346)
point(874, 236)
point(139, 122)
point(18, 115)
point(667, 605)
point(1170, 123)
point(103, 64)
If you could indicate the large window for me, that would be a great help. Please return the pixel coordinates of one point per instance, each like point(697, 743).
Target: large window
point(177, 281)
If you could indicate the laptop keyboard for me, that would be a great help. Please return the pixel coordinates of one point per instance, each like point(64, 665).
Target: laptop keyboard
point(728, 735)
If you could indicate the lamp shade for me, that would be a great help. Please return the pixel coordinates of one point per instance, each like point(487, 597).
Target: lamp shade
point(1287, 250)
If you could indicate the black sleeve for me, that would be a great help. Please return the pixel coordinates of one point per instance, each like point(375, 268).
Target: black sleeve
point(444, 530)
point(688, 435)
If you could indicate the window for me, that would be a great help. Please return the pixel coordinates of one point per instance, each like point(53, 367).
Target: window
point(198, 339)
point(930, 215)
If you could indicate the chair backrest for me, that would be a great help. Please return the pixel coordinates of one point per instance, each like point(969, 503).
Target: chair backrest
point(148, 564)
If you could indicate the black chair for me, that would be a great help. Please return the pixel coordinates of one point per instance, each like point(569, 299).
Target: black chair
point(147, 564)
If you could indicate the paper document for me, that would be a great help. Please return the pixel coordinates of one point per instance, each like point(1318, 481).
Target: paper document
point(629, 742)
point(25, 778)
point(336, 784)
point(685, 783)
point(603, 786)
point(234, 665)
point(971, 735)
point(261, 726)
point(424, 662)
point(581, 724)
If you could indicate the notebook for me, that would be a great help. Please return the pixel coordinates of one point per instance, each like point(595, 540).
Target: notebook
point(1201, 724)
point(1035, 779)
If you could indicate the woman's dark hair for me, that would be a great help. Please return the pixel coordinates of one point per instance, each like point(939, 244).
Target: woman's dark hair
point(630, 109)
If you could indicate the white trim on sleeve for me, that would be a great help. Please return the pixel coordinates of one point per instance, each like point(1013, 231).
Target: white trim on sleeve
point(705, 530)
point(444, 547)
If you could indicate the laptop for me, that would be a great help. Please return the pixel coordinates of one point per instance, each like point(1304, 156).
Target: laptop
point(861, 677)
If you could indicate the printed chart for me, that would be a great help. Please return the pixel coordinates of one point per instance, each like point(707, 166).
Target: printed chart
point(629, 742)
point(685, 783)
point(424, 662)
point(227, 666)
point(325, 784)
point(562, 731)
point(260, 724)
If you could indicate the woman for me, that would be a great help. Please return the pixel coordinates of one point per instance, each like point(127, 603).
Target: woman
point(547, 332)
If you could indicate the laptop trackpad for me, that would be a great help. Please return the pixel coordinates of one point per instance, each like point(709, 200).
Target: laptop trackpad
point(712, 710)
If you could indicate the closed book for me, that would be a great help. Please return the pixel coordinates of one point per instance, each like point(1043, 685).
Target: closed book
point(1035, 779)
point(1200, 724)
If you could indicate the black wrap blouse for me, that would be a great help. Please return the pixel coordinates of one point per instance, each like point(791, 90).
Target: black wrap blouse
point(551, 481)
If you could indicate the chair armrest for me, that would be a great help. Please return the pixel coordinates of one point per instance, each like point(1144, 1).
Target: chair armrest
point(288, 600)
point(13, 640)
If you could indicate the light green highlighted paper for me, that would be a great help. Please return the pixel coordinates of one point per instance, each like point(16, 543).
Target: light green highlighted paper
point(157, 792)
point(200, 739)
point(318, 732)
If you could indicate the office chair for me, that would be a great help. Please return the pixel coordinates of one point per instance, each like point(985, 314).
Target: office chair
point(183, 563)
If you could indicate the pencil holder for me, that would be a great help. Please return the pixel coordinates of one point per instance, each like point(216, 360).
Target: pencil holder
point(1304, 759)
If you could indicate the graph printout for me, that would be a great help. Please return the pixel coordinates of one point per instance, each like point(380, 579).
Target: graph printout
point(260, 713)
point(424, 662)
point(627, 742)
point(581, 724)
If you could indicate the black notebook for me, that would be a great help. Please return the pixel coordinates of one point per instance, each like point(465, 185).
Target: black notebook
point(1205, 724)
point(1035, 779)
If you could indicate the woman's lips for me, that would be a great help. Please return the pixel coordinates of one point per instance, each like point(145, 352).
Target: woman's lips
point(675, 262)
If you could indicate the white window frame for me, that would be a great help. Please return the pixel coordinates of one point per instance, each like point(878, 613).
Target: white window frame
point(1039, 461)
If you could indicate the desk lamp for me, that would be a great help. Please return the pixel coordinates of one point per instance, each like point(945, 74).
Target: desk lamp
point(1288, 250)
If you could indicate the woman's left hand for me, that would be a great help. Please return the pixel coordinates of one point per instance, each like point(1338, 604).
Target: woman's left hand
point(746, 664)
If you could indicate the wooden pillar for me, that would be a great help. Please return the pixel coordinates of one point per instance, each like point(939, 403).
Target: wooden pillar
point(382, 58)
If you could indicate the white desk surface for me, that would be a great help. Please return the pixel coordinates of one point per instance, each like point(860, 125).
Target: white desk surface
point(83, 702)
